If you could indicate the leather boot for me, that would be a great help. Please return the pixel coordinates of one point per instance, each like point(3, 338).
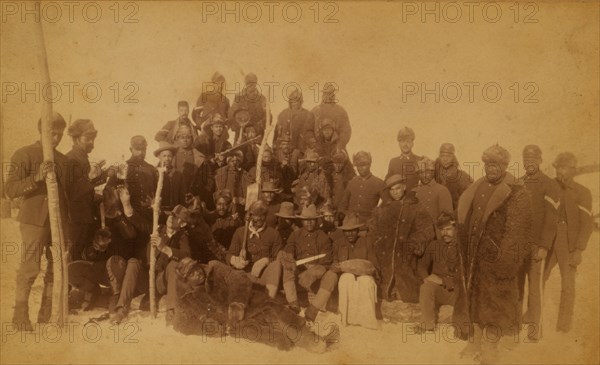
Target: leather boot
point(21, 317)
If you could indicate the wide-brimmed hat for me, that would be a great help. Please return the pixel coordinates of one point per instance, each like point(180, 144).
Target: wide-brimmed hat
point(270, 186)
point(351, 222)
point(165, 146)
point(309, 212)
point(394, 180)
point(286, 210)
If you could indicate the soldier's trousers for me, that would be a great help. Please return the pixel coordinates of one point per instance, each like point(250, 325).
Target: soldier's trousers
point(532, 271)
point(269, 278)
point(166, 283)
point(135, 282)
point(35, 242)
point(327, 282)
point(87, 275)
point(560, 255)
point(357, 298)
point(431, 297)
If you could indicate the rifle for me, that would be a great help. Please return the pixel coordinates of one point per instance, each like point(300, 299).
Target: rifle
point(239, 146)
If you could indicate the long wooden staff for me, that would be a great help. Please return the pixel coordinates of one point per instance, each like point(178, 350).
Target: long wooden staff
point(253, 190)
point(60, 309)
point(155, 216)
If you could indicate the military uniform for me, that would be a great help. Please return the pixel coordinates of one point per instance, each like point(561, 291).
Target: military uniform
point(295, 124)
point(435, 198)
point(338, 115)
point(361, 196)
point(34, 224)
point(141, 182)
point(544, 194)
point(168, 132)
point(573, 231)
point(197, 173)
point(408, 166)
point(452, 177)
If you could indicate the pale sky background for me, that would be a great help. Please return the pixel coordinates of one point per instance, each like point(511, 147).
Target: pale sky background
point(370, 52)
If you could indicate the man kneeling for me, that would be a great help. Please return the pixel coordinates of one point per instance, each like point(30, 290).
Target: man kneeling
point(438, 285)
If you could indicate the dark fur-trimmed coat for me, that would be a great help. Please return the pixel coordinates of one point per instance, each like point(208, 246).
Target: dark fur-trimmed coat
point(497, 255)
point(203, 311)
point(402, 230)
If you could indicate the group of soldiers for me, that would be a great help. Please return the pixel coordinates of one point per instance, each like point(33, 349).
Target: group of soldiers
point(324, 233)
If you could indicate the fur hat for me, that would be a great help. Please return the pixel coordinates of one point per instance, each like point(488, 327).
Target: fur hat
point(311, 156)
point(565, 159)
point(270, 186)
point(532, 151)
point(217, 77)
point(362, 158)
point(426, 164)
point(496, 154)
point(250, 78)
point(447, 148)
point(339, 156)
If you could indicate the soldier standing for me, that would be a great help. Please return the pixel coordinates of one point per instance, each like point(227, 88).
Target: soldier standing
point(572, 234)
point(252, 100)
point(494, 220)
point(26, 178)
point(169, 131)
point(433, 196)
point(545, 198)
point(82, 198)
point(330, 109)
point(295, 123)
point(449, 174)
point(407, 163)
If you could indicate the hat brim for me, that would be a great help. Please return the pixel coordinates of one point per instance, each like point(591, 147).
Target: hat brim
point(285, 216)
point(271, 190)
point(389, 186)
point(308, 218)
point(351, 228)
point(158, 151)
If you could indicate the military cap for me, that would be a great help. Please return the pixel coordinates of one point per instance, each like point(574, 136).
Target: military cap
point(217, 77)
point(532, 151)
point(224, 193)
point(138, 142)
point(339, 156)
point(395, 180)
point(181, 212)
point(565, 159)
point(444, 219)
point(250, 78)
point(259, 207)
point(57, 121)
point(426, 164)
point(165, 146)
point(82, 127)
point(496, 154)
point(405, 133)
point(447, 148)
point(183, 103)
point(362, 158)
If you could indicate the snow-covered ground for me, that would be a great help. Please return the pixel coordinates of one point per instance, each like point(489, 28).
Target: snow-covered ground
point(145, 340)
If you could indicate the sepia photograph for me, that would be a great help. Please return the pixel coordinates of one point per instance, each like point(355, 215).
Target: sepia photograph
point(300, 182)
